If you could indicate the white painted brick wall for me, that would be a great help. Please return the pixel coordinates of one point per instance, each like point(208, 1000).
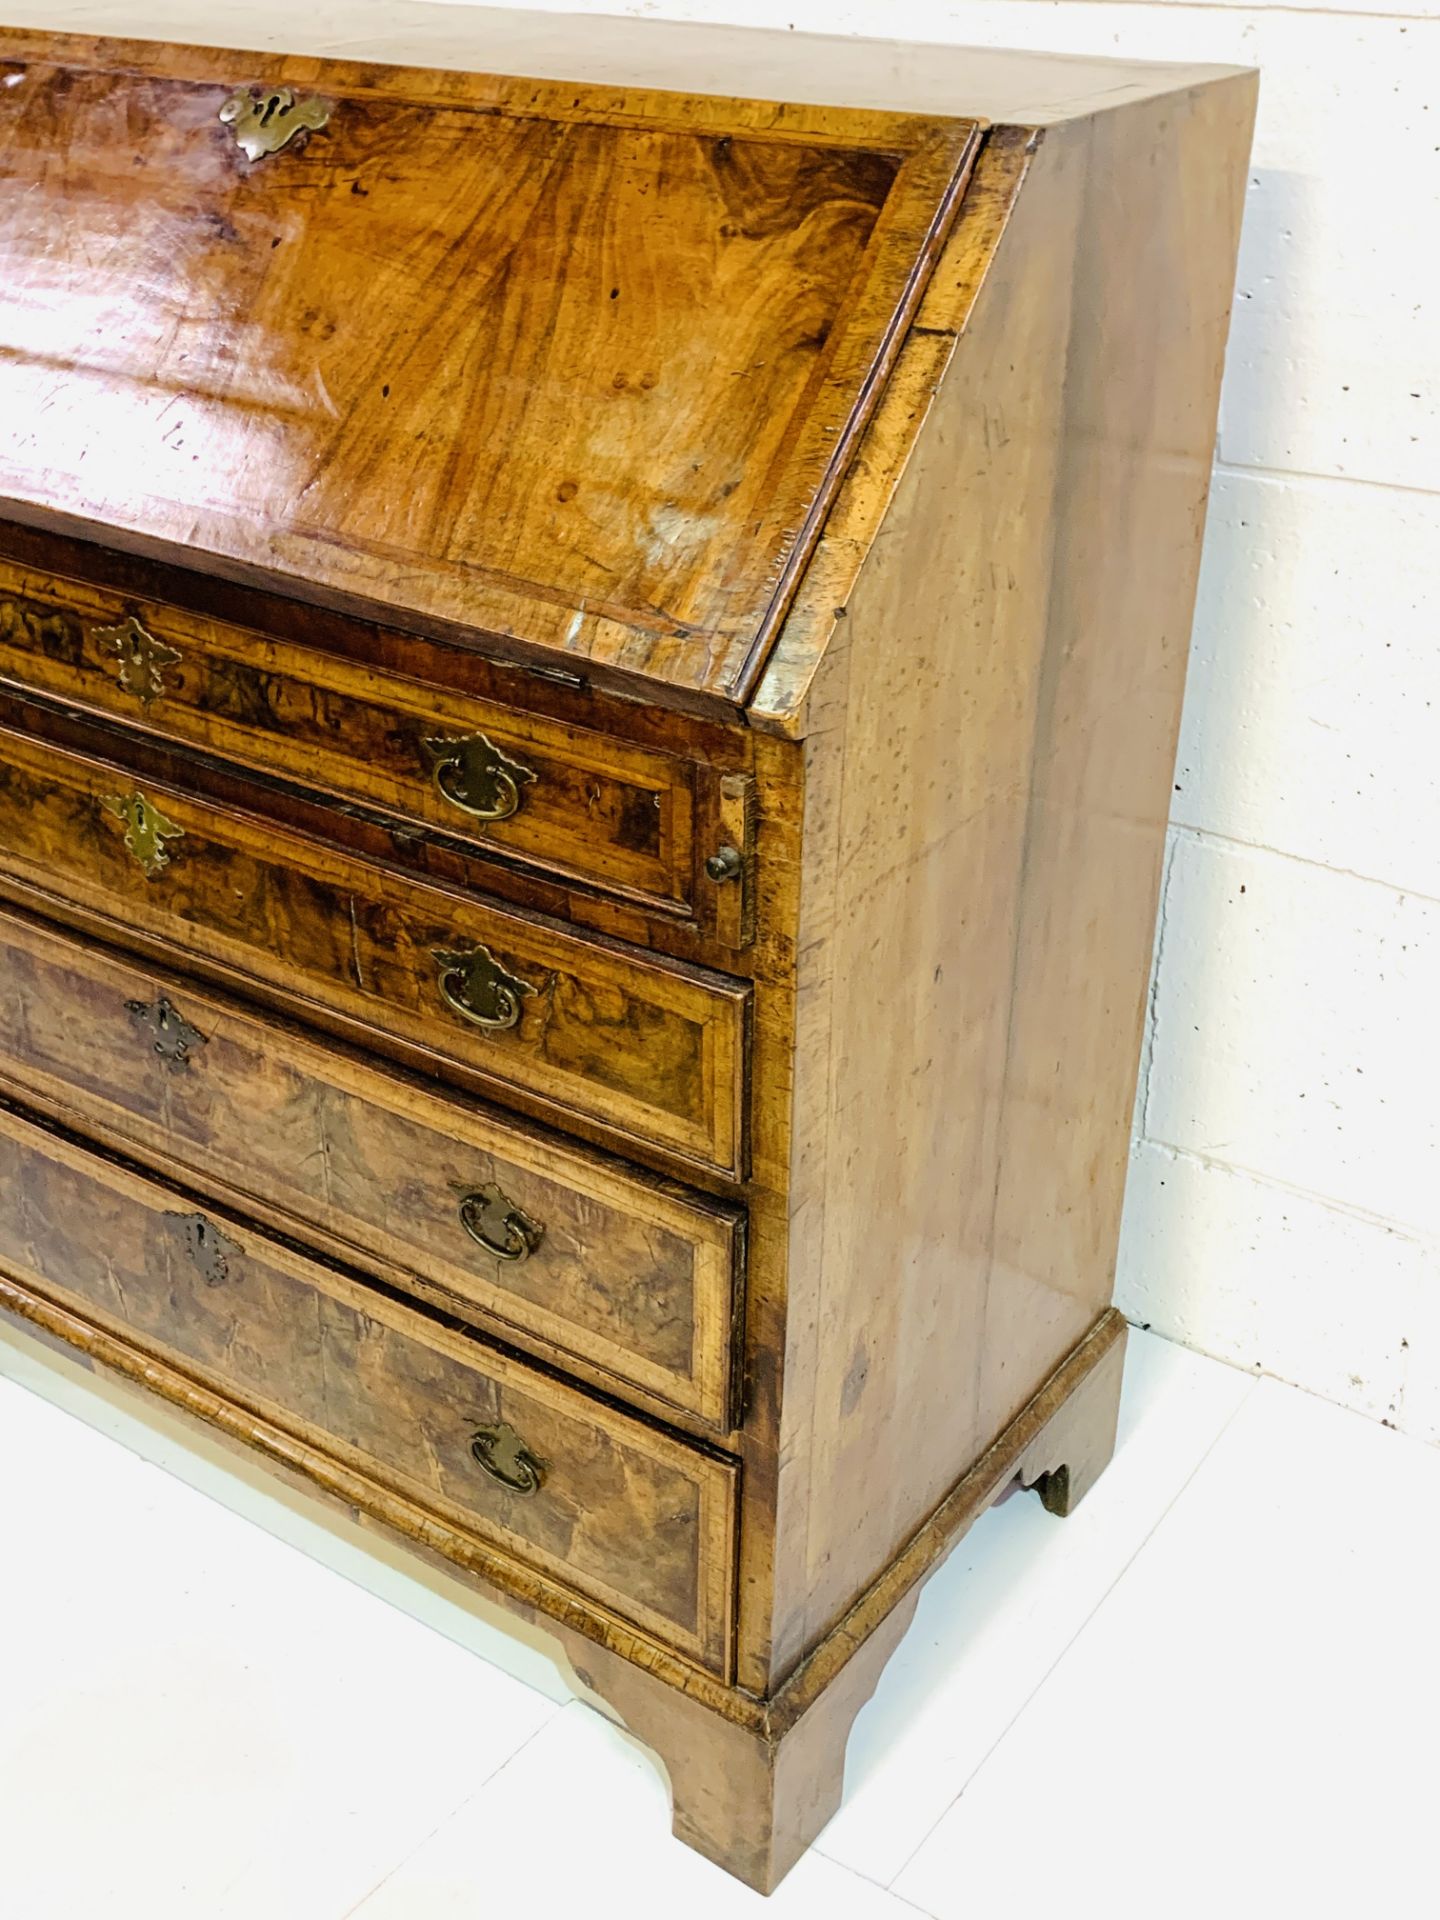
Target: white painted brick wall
point(1284, 1210)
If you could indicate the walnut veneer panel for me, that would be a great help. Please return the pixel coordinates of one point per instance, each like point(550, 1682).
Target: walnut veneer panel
point(630, 1276)
point(581, 805)
point(609, 350)
point(630, 1517)
point(921, 611)
point(638, 1046)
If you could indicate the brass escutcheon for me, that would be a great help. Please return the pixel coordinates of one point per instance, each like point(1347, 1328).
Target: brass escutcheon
point(170, 1033)
point(146, 828)
point(501, 1453)
point(475, 985)
point(472, 773)
point(143, 659)
point(498, 1225)
point(264, 119)
point(209, 1249)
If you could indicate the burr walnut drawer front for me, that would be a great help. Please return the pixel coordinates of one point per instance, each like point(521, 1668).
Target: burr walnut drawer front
point(649, 1049)
point(575, 804)
point(595, 1264)
point(634, 1519)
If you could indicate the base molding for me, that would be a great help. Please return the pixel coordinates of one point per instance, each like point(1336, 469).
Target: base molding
point(1065, 1434)
point(753, 1796)
point(753, 1781)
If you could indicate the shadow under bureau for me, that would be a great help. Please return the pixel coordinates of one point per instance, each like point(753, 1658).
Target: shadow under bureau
point(588, 686)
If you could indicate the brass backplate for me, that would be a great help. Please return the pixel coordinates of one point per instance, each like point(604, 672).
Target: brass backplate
point(170, 1034)
point(502, 1454)
point(146, 828)
point(143, 659)
point(472, 773)
point(475, 985)
point(265, 119)
point(211, 1250)
point(498, 1225)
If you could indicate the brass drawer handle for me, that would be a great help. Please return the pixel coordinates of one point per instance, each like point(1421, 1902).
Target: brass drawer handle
point(146, 828)
point(477, 987)
point(143, 659)
point(265, 119)
point(170, 1033)
point(498, 1225)
point(474, 775)
point(500, 1452)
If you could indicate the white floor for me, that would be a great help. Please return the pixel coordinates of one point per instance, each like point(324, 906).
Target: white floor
point(1214, 1690)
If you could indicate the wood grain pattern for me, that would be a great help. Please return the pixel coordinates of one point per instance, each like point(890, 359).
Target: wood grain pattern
point(971, 844)
point(1150, 314)
point(639, 1046)
point(813, 622)
point(633, 1278)
point(596, 809)
point(611, 438)
point(921, 896)
point(632, 1518)
point(920, 664)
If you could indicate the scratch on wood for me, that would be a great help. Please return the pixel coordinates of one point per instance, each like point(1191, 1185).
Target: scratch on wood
point(355, 949)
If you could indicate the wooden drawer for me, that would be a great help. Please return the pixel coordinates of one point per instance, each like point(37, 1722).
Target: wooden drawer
point(649, 1049)
point(577, 805)
point(632, 1518)
point(631, 1276)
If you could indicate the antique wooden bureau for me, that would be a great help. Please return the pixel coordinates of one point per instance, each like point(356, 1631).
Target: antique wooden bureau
point(588, 682)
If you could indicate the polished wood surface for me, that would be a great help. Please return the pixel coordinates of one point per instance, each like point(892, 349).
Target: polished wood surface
point(862, 992)
point(614, 815)
point(610, 438)
point(638, 1046)
point(633, 1279)
point(634, 1519)
point(1032, 687)
point(338, 665)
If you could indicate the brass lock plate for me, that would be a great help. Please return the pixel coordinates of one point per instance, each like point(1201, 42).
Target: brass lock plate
point(142, 658)
point(265, 119)
point(146, 829)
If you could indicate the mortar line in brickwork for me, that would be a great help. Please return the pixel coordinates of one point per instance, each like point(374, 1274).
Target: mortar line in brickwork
point(1208, 835)
point(1241, 469)
point(1152, 1022)
point(1423, 1237)
point(1213, 6)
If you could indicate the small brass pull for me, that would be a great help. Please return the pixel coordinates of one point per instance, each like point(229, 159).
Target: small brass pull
point(146, 829)
point(171, 1034)
point(726, 863)
point(474, 775)
point(477, 987)
point(498, 1225)
point(263, 120)
point(207, 1247)
point(500, 1452)
point(143, 659)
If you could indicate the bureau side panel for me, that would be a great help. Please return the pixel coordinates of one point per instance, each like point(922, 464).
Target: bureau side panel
point(1164, 190)
point(987, 776)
